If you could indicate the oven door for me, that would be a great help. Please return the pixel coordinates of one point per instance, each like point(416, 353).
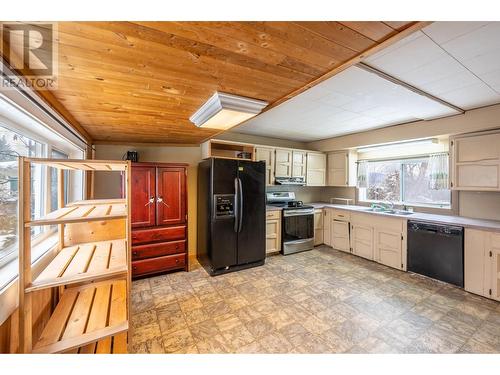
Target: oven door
point(297, 225)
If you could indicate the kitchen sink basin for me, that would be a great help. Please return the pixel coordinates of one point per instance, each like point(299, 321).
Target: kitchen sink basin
point(398, 212)
point(389, 211)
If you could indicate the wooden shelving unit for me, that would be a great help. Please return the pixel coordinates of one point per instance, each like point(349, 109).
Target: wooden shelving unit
point(91, 280)
point(226, 149)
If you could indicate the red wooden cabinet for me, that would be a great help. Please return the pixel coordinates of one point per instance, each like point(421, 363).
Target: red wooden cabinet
point(171, 197)
point(143, 196)
point(159, 218)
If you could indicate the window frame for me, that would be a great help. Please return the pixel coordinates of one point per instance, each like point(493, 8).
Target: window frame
point(45, 236)
point(401, 160)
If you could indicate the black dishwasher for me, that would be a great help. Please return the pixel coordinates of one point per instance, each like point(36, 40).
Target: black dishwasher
point(436, 251)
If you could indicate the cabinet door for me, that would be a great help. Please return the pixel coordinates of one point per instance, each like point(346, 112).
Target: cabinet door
point(267, 155)
point(273, 236)
point(327, 219)
point(299, 164)
point(283, 163)
point(477, 148)
point(474, 261)
point(171, 196)
point(340, 235)
point(338, 169)
point(143, 196)
point(318, 227)
point(362, 240)
point(388, 246)
point(316, 169)
point(494, 244)
point(478, 176)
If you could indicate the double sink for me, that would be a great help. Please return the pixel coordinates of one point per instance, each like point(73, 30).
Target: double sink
point(386, 210)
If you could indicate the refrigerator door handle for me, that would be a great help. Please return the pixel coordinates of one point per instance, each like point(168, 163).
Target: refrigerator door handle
point(236, 203)
point(240, 201)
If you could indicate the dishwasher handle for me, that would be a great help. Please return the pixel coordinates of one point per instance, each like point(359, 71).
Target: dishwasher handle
point(446, 230)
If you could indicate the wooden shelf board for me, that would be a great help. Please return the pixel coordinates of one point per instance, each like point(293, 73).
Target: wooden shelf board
point(97, 202)
point(79, 164)
point(82, 212)
point(84, 262)
point(85, 315)
point(116, 344)
point(229, 158)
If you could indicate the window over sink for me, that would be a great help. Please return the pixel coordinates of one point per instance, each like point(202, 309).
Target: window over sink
point(419, 181)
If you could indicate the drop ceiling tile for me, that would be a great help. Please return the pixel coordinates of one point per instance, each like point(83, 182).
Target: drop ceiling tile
point(492, 79)
point(336, 99)
point(472, 96)
point(412, 55)
point(486, 61)
point(442, 32)
point(475, 43)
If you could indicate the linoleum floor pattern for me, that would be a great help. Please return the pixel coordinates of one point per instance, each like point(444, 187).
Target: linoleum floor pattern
point(320, 301)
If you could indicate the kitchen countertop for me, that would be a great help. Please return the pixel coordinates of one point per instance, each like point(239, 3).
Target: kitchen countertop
point(466, 222)
point(273, 208)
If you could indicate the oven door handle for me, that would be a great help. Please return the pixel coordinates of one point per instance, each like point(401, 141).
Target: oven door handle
point(300, 241)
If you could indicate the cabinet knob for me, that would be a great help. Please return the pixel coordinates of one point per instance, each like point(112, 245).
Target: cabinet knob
point(134, 252)
point(134, 268)
point(177, 261)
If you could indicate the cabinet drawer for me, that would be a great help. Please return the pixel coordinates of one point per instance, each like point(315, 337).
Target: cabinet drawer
point(158, 249)
point(160, 264)
point(158, 234)
point(272, 214)
point(340, 215)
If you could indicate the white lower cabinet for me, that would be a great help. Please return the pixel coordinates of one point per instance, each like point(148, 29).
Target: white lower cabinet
point(482, 263)
point(362, 240)
point(273, 231)
point(318, 227)
point(378, 238)
point(340, 235)
point(390, 242)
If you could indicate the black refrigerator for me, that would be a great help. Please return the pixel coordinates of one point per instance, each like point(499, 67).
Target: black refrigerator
point(231, 215)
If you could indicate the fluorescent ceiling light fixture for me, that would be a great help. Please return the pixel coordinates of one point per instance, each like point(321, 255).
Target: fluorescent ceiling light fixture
point(223, 111)
point(389, 146)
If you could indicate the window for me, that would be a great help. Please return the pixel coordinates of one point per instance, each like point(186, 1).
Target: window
point(55, 154)
point(418, 181)
point(13, 145)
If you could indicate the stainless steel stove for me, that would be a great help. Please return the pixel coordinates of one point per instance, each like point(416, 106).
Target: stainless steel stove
point(297, 226)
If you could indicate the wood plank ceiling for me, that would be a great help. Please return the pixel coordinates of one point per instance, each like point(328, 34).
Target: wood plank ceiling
point(140, 82)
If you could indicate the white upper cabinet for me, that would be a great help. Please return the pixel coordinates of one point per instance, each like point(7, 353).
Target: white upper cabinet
point(299, 163)
point(283, 167)
point(341, 168)
point(266, 154)
point(476, 162)
point(478, 148)
point(316, 169)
